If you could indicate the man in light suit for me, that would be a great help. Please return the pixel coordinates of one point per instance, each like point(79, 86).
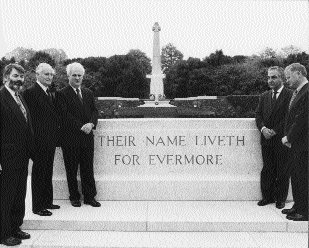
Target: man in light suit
point(42, 101)
point(16, 144)
point(272, 108)
point(79, 119)
point(296, 139)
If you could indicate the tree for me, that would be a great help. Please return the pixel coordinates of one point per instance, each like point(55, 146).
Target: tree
point(142, 60)
point(21, 53)
point(40, 57)
point(268, 52)
point(217, 59)
point(57, 54)
point(288, 50)
point(169, 56)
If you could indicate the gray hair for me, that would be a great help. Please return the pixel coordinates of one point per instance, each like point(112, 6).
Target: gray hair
point(41, 66)
point(280, 71)
point(74, 65)
point(297, 67)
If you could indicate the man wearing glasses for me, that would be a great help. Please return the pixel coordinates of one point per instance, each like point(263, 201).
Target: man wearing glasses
point(270, 114)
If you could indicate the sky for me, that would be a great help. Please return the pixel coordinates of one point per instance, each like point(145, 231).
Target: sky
point(84, 28)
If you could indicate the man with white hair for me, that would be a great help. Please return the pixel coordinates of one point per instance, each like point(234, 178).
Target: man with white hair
point(80, 118)
point(42, 101)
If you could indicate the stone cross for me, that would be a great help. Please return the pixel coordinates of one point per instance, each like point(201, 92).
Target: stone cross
point(156, 83)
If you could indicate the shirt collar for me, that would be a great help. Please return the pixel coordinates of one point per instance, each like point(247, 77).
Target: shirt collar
point(42, 86)
point(80, 91)
point(279, 90)
point(12, 92)
point(301, 85)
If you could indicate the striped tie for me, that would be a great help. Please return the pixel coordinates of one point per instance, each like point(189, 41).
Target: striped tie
point(21, 106)
point(292, 99)
point(79, 95)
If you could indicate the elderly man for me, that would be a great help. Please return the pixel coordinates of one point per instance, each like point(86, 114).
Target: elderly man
point(43, 105)
point(16, 143)
point(296, 139)
point(80, 118)
point(270, 114)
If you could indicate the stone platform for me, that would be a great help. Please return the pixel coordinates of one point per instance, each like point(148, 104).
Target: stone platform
point(169, 183)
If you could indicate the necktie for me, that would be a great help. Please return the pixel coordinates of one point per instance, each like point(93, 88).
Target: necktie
point(273, 100)
point(50, 96)
point(79, 95)
point(21, 106)
point(292, 99)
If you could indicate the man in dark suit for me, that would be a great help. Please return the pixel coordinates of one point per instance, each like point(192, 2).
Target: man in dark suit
point(296, 139)
point(46, 118)
point(16, 139)
point(80, 118)
point(272, 108)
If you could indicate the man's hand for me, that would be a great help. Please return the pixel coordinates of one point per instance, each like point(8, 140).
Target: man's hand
point(87, 128)
point(267, 133)
point(273, 133)
point(285, 142)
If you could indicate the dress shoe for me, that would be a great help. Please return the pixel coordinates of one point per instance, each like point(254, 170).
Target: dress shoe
point(10, 241)
point(280, 205)
point(21, 235)
point(75, 203)
point(43, 212)
point(297, 217)
point(93, 203)
point(265, 202)
point(288, 211)
point(52, 206)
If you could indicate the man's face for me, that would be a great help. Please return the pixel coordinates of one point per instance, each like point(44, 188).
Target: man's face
point(45, 76)
point(15, 80)
point(292, 78)
point(274, 80)
point(76, 77)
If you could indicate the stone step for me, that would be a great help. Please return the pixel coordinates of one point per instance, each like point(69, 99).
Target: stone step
point(165, 216)
point(108, 239)
point(171, 187)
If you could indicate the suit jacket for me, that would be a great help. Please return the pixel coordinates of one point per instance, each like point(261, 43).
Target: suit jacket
point(76, 114)
point(16, 132)
point(46, 116)
point(296, 127)
point(273, 118)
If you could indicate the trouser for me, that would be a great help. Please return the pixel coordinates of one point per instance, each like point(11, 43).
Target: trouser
point(42, 179)
point(274, 175)
point(82, 156)
point(13, 185)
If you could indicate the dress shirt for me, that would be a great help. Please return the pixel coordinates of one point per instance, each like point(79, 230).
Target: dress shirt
point(43, 87)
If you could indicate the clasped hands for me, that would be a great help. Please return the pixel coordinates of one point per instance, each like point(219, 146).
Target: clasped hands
point(87, 128)
point(285, 142)
point(268, 133)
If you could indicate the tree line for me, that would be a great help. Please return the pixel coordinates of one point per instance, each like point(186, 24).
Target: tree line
point(125, 75)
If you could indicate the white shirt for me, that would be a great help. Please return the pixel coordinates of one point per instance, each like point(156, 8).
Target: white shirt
point(278, 92)
point(12, 92)
point(80, 91)
point(43, 87)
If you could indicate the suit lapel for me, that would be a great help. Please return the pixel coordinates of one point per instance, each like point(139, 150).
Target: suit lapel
point(298, 96)
point(268, 104)
point(279, 101)
point(73, 94)
point(43, 98)
point(15, 108)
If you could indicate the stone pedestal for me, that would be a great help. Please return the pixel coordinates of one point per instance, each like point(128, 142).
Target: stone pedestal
point(173, 159)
